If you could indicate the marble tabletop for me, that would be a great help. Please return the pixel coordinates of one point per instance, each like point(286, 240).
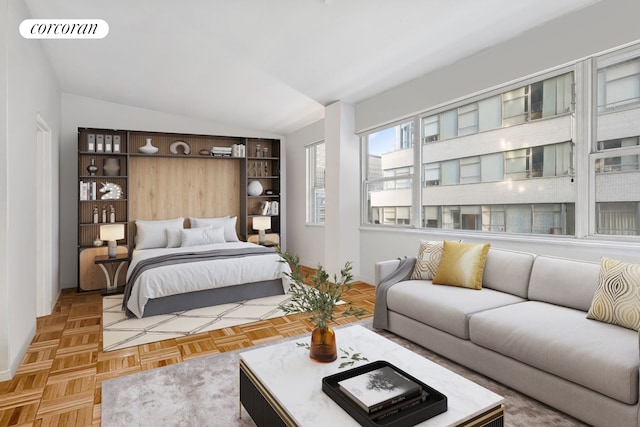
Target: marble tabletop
point(295, 380)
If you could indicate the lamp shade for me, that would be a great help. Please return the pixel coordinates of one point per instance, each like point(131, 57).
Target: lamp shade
point(261, 223)
point(112, 232)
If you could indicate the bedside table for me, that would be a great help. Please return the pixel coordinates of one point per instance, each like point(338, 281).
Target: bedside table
point(111, 268)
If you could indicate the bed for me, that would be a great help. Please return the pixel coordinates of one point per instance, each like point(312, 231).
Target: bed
point(176, 269)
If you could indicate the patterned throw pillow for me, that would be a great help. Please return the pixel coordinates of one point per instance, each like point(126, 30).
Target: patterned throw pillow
point(617, 297)
point(462, 264)
point(428, 260)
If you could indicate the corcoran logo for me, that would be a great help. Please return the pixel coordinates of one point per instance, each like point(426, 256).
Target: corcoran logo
point(64, 29)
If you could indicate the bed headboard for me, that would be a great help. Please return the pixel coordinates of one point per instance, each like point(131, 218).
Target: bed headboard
point(170, 187)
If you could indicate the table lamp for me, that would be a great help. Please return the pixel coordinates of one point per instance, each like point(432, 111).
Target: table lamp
point(111, 233)
point(261, 223)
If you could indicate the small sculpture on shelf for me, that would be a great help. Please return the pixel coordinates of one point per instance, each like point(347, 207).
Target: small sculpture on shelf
point(111, 166)
point(254, 188)
point(148, 148)
point(113, 191)
point(92, 168)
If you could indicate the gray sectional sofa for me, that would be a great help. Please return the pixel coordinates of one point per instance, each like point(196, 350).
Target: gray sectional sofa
point(526, 328)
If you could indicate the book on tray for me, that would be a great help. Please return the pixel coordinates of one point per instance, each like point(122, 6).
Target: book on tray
point(381, 389)
point(399, 407)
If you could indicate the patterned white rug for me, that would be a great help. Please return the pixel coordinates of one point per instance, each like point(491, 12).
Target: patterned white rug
point(120, 332)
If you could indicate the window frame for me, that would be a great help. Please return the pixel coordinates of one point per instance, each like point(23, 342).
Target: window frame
point(580, 158)
point(313, 217)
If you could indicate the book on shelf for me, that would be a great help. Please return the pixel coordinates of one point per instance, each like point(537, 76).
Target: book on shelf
point(84, 190)
point(379, 389)
point(399, 407)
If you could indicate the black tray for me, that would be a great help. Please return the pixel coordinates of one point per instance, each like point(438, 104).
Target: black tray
point(435, 404)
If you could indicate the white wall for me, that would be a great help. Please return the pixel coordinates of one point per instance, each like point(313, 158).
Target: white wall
point(81, 111)
point(602, 26)
point(605, 25)
point(306, 241)
point(31, 88)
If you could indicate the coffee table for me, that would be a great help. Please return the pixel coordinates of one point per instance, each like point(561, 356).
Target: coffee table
point(281, 386)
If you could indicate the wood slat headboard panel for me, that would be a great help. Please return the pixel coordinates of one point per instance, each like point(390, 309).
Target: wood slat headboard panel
point(170, 187)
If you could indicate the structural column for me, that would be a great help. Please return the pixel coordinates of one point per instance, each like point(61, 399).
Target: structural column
point(342, 189)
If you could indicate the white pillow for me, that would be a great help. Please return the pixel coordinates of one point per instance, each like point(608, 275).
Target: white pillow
point(152, 234)
point(174, 239)
point(201, 236)
point(228, 223)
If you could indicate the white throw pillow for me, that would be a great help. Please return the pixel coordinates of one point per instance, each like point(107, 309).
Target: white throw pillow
point(174, 238)
point(201, 236)
point(228, 223)
point(152, 234)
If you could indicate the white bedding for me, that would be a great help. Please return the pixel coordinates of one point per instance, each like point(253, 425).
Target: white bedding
point(196, 276)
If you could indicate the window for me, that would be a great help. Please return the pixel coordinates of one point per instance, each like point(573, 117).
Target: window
point(616, 153)
point(618, 218)
point(619, 85)
point(431, 128)
point(316, 183)
point(431, 174)
point(507, 162)
point(617, 163)
point(388, 175)
point(517, 164)
point(492, 167)
point(542, 99)
point(490, 113)
point(517, 218)
point(468, 119)
point(469, 170)
point(451, 172)
point(515, 107)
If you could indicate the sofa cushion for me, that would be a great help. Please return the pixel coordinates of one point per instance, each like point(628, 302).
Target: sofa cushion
point(444, 307)
point(617, 297)
point(508, 271)
point(462, 264)
point(567, 282)
point(563, 342)
point(428, 260)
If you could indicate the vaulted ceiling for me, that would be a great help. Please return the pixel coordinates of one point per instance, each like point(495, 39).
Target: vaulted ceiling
point(272, 65)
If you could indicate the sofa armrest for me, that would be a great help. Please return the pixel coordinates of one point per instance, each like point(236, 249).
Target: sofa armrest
point(385, 268)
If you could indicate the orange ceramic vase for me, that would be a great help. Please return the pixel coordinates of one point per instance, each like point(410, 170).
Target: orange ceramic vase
point(323, 345)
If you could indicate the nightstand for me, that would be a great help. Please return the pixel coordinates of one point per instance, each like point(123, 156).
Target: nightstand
point(111, 268)
point(271, 239)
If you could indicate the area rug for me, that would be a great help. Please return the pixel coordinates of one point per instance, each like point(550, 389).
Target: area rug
point(118, 331)
point(204, 391)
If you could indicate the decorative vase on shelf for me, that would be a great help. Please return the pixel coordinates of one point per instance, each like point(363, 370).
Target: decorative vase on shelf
point(111, 166)
point(323, 345)
point(254, 188)
point(148, 148)
point(92, 168)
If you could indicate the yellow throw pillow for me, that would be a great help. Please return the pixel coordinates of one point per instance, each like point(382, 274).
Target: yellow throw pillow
point(428, 260)
point(462, 264)
point(617, 297)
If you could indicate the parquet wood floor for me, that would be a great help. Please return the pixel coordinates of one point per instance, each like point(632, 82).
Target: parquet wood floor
point(59, 380)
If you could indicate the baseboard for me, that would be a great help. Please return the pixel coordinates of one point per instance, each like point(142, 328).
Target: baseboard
point(5, 376)
point(15, 364)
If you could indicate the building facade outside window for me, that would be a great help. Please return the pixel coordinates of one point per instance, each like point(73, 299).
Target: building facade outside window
point(505, 161)
point(316, 183)
point(389, 175)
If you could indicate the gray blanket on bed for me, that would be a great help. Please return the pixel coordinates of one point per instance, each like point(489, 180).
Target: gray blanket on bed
point(403, 272)
point(185, 257)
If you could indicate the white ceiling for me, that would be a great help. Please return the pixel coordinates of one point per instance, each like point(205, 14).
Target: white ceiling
point(272, 65)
